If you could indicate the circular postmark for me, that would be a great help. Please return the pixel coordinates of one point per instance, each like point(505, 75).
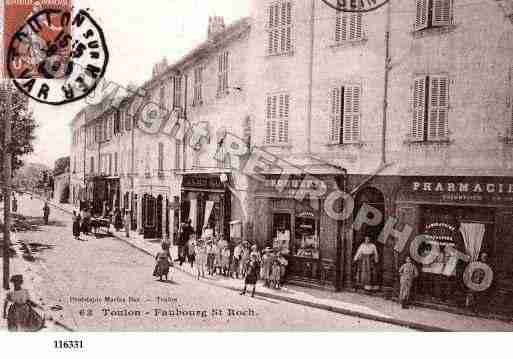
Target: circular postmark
point(355, 5)
point(56, 58)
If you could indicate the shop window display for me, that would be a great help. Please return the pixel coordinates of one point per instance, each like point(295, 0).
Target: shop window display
point(306, 237)
point(282, 225)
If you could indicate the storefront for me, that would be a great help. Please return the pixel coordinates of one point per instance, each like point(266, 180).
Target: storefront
point(102, 193)
point(301, 228)
point(206, 200)
point(473, 215)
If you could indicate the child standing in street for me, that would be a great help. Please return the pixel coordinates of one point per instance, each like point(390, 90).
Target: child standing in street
point(267, 261)
point(251, 275)
point(275, 276)
point(21, 317)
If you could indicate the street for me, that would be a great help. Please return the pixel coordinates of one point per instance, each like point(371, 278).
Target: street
point(103, 284)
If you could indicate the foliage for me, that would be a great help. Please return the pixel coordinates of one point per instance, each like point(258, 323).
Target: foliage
point(23, 126)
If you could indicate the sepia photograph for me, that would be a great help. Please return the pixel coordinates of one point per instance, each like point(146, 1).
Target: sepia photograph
point(255, 166)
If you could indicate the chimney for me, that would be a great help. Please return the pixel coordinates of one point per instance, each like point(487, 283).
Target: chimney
point(215, 26)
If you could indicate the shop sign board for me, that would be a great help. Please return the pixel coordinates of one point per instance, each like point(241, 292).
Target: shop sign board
point(203, 182)
point(464, 190)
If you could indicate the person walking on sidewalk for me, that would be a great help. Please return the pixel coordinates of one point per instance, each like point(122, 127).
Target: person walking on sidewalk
point(46, 212)
point(201, 257)
point(235, 266)
point(163, 263)
point(21, 317)
point(76, 226)
point(191, 250)
point(211, 257)
point(118, 219)
point(14, 203)
point(407, 274)
point(251, 275)
point(267, 262)
point(126, 223)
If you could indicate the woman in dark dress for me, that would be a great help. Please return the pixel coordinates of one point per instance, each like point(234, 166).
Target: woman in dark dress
point(252, 271)
point(76, 226)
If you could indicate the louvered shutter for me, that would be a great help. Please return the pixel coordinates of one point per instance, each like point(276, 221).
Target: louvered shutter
point(441, 12)
point(288, 24)
point(359, 25)
point(438, 107)
point(336, 108)
point(283, 122)
point(419, 109)
point(421, 17)
point(351, 116)
point(338, 27)
point(511, 102)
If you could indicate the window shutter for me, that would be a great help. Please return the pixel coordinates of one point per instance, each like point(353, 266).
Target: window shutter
point(441, 12)
point(336, 108)
point(288, 46)
point(419, 109)
point(438, 107)
point(359, 26)
point(283, 125)
point(421, 18)
point(352, 99)
point(338, 27)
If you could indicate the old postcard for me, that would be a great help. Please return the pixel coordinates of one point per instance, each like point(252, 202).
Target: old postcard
point(256, 165)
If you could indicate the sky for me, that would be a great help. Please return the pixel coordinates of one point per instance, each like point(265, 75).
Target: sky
point(138, 35)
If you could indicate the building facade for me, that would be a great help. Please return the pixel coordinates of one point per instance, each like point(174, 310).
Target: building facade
point(407, 108)
point(413, 100)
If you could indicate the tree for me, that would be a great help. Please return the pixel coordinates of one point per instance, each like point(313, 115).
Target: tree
point(23, 126)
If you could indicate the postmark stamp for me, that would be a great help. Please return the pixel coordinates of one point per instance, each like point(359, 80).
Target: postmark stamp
point(57, 57)
point(355, 5)
point(17, 13)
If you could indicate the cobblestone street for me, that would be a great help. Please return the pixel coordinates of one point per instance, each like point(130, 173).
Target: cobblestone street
point(77, 276)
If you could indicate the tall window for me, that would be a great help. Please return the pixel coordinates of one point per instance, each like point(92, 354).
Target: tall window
point(110, 164)
point(178, 148)
point(279, 28)
point(91, 165)
point(198, 84)
point(348, 27)
point(430, 108)
point(128, 119)
point(277, 119)
point(222, 76)
point(345, 114)
point(115, 163)
point(432, 13)
point(161, 160)
point(177, 92)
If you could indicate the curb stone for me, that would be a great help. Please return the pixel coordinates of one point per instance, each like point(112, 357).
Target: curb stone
point(348, 312)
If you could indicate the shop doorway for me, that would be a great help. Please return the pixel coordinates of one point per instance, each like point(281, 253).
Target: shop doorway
point(469, 230)
point(159, 213)
point(369, 196)
point(149, 216)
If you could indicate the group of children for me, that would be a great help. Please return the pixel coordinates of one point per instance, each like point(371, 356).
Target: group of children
point(211, 256)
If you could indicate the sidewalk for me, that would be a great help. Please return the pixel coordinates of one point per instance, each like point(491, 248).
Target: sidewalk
point(347, 303)
point(31, 282)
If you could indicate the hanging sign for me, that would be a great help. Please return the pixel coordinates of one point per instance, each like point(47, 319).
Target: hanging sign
point(355, 5)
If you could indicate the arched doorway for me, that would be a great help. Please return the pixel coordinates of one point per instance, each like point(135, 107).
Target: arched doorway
point(373, 197)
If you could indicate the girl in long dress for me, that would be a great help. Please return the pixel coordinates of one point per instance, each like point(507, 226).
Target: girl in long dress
point(407, 274)
point(21, 317)
point(163, 263)
point(251, 275)
point(265, 270)
point(366, 259)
